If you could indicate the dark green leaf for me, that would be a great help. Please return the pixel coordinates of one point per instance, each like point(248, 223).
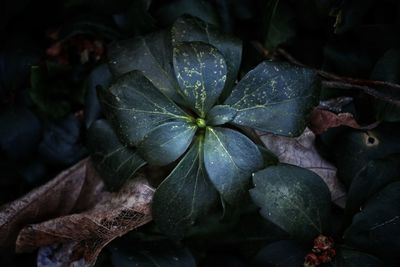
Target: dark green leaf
point(230, 158)
point(376, 227)
point(167, 142)
point(136, 107)
point(347, 59)
point(220, 114)
point(190, 29)
point(115, 162)
point(351, 14)
point(151, 54)
point(172, 10)
point(100, 76)
point(295, 199)
point(185, 195)
point(61, 143)
point(352, 258)
point(354, 149)
point(51, 99)
point(387, 69)
point(96, 25)
point(201, 73)
point(375, 175)
point(284, 253)
point(20, 133)
point(280, 24)
point(275, 97)
point(151, 254)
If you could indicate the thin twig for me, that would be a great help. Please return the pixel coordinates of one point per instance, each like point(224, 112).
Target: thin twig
point(386, 91)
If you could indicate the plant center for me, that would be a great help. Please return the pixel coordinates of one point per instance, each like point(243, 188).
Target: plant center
point(201, 123)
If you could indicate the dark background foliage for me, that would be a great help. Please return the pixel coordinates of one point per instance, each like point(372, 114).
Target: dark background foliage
point(52, 56)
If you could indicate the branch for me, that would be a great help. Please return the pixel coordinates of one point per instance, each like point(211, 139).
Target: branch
point(386, 91)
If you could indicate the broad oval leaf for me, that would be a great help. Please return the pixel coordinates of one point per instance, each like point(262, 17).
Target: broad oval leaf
point(275, 97)
point(136, 107)
point(230, 158)
point(201, 72)
point(116, 162)
point(220, 114)
point(151, 54)
point(354, 149)
point(283, 253)
point(190, 29)
point(185, 195)
point(353, 258)
point(373, 177)
point(295, 199)
point(159, 253)
point(376, 227)
point(167, 142)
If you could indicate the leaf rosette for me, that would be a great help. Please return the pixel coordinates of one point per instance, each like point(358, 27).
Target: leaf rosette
point(176, 100)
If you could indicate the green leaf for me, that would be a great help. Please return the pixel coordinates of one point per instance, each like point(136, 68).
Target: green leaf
point(284, 253)
point(136, 107)
point(230, 158)
point(190, 29)
point(115, 162)
point(49, 97)
point(275, 97)
point(387, 69)
point(351, 14)
point(201, 73)
point(185, 195)
point(354, 149)
point(151, 54)
point(374, 176)
point(352, 258)
point(295, 199)
point(280, 24)
point(220, 114)
point(160, 253)
point(376, 227)
point(172, 10)
point(167, 142)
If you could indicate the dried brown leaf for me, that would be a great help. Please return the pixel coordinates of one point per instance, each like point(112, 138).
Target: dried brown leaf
point(301, 151)
point(83, 235)
point(322, 120)
point(56, 198)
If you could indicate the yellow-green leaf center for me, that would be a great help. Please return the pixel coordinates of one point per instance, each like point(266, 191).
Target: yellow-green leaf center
point(201, 123)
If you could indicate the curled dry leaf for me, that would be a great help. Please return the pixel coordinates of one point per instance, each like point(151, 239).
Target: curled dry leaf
point(301, 151)
point(83, 235)
point(56, 198)
point(322, 120)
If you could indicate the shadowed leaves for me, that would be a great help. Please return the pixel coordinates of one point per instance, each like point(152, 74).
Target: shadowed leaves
point(116, 162)
point(293, 198)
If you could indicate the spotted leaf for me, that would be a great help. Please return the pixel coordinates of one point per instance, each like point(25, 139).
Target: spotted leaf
point(295, 199)
point(201, 73)
point(191, 29)
point(275, 97)
point(230, 158)
point(136, 107)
